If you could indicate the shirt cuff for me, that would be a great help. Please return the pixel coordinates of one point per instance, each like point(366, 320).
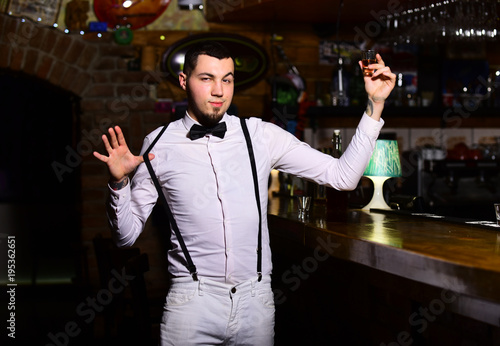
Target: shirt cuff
point(370, 126)
point(119, 196)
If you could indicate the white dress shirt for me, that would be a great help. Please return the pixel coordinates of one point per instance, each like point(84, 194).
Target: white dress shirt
point(209, 186)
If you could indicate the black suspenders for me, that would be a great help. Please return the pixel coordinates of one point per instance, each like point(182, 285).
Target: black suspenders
point(190, 265)
point(257, 196)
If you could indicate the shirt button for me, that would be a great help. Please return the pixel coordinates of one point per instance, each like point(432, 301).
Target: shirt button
point(233, 290)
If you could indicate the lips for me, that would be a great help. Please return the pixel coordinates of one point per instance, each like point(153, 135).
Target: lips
point(216, 103)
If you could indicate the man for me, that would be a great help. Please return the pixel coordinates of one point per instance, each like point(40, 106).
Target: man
point(207, 182)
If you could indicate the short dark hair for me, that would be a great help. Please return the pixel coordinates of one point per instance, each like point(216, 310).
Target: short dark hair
point(210, 48)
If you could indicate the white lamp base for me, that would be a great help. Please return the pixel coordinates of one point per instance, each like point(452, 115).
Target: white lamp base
point(377, 201)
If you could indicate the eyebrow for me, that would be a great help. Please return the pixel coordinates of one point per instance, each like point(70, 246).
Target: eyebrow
point(212, 76)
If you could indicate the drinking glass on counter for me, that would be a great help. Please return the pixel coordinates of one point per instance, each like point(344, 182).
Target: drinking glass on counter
point(303, 206)
point(497, 212)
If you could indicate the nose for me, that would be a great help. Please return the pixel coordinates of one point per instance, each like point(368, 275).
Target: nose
point(217, 89)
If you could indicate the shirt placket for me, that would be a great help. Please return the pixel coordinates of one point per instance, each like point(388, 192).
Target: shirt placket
point(217, 166)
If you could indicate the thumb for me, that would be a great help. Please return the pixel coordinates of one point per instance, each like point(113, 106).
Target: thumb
point(150, 157)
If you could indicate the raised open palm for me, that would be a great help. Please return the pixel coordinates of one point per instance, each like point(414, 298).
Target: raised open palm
point(120, 161)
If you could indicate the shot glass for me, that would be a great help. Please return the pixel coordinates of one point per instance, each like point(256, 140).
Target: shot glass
point(368, 57)
point(303, 206)
point(497, 212)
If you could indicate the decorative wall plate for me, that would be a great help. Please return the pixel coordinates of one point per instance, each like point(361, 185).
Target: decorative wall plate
point(134, 14)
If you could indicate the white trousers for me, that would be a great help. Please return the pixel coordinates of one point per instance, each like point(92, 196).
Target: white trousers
point(206, 312)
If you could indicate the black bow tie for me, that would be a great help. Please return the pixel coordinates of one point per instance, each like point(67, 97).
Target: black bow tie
point(198, 131)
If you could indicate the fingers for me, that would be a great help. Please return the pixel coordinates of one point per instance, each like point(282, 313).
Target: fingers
point(120, 136)
point(112, 136)
point(387, 74)
point(140, 158)
point(379, 67)
point(100, 157)
point(379, 59)
point(380, 63)
point(107, 146)
point(115, 139)
point(386, 71)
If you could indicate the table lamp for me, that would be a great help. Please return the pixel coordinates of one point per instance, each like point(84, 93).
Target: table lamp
point(384, 164)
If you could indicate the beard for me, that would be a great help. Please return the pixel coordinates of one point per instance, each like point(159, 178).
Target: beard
point(206, 118)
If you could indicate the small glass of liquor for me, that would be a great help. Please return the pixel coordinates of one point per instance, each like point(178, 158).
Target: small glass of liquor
point(303, 207)
point(368, 57)
point(497, 212)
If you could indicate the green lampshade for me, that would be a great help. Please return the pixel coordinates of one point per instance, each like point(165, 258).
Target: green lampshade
point(385, 160)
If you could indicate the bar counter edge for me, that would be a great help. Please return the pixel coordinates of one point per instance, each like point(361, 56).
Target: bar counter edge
point(410, 248)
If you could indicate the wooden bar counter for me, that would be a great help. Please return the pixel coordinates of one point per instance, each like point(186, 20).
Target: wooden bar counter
point(445, 267)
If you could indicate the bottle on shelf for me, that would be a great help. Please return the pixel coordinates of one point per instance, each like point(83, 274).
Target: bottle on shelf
point(320, 192)
point(399, 92)
point(336, 201)
point(340, 86)
point(337, 144)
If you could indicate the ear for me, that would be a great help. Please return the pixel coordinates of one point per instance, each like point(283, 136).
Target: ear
point(182, 80)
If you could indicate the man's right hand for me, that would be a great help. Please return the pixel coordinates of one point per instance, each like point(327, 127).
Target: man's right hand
point(121, 162)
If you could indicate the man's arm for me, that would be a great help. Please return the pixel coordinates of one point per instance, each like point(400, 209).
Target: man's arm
point(126, 215)
point(378, 87)
point(293, 156)
point(290, 155)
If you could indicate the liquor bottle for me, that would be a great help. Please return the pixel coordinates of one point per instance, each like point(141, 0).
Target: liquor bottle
point(399, 92)
point(339, 86)
point(336, 201)
point(337, 144)
point(320, 191)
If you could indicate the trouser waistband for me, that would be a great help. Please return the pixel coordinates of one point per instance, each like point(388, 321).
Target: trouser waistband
point(221, 288)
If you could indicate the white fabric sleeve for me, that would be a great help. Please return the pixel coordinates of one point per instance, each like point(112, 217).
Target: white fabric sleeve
point(290, 155)
point(129, 208)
